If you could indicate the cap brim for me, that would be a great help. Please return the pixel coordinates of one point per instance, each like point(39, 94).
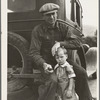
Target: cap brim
point(53, 11)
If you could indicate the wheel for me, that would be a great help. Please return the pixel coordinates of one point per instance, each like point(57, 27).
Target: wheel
point(78, 56)
point(75, 57)
point(86, 47)
point(18, 53)
point(18, 60)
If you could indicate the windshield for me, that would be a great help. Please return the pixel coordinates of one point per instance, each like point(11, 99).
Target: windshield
point(21, 5)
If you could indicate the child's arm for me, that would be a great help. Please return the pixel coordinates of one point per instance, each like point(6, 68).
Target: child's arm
point(68, 92)
point(71, 81)
point(71, 74)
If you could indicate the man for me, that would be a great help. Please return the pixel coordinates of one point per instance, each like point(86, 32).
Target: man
point(46, 38)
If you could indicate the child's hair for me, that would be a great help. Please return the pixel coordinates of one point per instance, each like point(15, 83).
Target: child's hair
point(60, 48)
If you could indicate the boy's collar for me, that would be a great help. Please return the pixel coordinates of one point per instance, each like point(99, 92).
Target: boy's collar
point(64, 65)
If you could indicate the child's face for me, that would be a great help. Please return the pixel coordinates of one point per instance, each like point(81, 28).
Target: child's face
point(61, 57)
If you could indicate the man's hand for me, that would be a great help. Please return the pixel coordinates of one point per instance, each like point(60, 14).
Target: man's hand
point(47, 68)
point(54, 48)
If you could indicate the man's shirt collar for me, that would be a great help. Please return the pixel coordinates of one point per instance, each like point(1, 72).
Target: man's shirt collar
point(47, 26)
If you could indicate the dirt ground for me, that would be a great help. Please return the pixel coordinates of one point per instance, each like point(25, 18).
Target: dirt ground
point(93, 86)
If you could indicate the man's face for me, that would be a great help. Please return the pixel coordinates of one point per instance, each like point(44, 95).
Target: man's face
point(50, 18)
point(61, 57)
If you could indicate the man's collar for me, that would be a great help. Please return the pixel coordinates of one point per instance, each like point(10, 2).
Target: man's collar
point(46, 26)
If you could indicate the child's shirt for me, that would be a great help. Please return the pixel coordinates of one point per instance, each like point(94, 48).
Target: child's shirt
point(64, 72)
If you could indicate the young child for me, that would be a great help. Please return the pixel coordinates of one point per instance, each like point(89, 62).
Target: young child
point(65, 76)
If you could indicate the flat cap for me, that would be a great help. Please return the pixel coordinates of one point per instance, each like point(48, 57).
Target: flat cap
point(49, 8)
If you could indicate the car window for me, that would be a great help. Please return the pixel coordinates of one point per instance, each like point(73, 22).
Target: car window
point(21, 5)
point(68, 9)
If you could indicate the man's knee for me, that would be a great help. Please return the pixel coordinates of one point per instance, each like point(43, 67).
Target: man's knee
point(81, 72)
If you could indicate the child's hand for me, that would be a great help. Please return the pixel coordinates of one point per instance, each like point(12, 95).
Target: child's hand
point(68, 93)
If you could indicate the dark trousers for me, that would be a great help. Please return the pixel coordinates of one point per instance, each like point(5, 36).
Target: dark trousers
point(48, 91)
point(81, 82)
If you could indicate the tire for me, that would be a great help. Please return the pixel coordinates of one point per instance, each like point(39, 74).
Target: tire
point(21, 47)
point(75, 57)
point(86, 47)
point(18, 57)
point(78, 57)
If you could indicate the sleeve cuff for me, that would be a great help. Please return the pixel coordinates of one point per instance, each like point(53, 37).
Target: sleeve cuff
point(63, 43)
point(40, 63)
point(71, 76)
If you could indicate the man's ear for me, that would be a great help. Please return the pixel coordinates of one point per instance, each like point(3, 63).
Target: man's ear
point(66, 56)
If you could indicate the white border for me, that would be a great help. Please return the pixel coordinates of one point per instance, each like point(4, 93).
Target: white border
point(4, 51)
point(98, 58)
